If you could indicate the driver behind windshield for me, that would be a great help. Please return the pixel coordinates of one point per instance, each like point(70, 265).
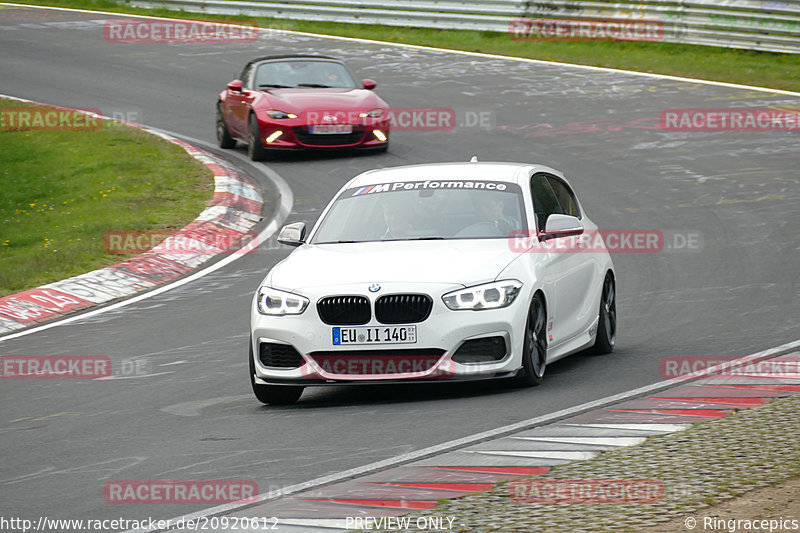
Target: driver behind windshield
point(398, 222)
point(492, 220)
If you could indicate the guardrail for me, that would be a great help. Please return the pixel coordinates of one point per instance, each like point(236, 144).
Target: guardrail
point(751, 24)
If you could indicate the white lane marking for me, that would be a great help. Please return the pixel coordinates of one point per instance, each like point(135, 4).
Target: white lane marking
point(326, 523)
point(25, 477)
point(135, 377)
point(668, 428)
point(286, 203)
point(485, 435)
point(434, 49)
point(569, 456)
point(338, 524)
point(778, 378)
point(595, 441)
point(194, 408)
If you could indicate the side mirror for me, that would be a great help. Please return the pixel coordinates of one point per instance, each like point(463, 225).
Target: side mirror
point(369, 84)
point(293, 234)
point(235, 86)
point(562, 226)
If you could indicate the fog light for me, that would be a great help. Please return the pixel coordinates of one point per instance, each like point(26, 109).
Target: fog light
point(274, 136)
point(379, 134)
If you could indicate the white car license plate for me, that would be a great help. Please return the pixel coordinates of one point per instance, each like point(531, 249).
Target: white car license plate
point(327, 129)
point(375, 335)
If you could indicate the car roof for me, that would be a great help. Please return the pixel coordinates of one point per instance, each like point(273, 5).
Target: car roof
point(472, 171)
point(292, 56)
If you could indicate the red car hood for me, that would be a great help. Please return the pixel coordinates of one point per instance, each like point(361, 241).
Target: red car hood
point(300, 100)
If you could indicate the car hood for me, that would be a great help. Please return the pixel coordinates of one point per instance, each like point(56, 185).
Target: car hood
point(463, 262)
point(299, 100)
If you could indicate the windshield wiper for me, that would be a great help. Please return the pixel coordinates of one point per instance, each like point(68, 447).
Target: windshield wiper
point(315, 85)
point(274, 86)
point(427, 239)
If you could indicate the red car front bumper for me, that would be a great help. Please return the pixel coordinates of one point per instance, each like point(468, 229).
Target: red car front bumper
point(292, 134)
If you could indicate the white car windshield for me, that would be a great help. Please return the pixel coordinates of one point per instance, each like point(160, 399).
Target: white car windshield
point(421, 210)
point(303, 73)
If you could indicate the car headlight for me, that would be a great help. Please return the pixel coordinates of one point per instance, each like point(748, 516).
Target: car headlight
point(278, 303)
point(272, 113)
point(375, 113)
point(493, 295)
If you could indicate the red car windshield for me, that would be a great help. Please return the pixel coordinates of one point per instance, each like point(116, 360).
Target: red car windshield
point(303, 73)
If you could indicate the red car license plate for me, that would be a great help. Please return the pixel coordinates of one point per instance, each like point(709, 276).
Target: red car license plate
point(327, 129)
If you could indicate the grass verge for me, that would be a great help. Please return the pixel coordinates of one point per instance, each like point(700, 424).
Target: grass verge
point(63, 190)
point(763, 69)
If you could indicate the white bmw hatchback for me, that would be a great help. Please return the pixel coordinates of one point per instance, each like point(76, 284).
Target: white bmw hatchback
point(450, 271)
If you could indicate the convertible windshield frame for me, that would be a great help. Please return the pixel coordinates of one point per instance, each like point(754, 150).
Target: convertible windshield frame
point(317, 74)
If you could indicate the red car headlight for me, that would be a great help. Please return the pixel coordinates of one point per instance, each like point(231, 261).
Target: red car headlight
point(273, 113)
point(375, 113)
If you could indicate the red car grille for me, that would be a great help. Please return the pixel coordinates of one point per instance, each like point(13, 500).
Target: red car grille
point(304, 137)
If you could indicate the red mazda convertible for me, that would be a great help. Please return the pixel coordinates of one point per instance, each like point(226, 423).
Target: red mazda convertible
point(300, 102)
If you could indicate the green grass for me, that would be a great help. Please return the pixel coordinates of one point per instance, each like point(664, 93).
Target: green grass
point(63, 190)
point(764, 69)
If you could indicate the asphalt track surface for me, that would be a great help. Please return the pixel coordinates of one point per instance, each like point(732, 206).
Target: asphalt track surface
point(192, 416)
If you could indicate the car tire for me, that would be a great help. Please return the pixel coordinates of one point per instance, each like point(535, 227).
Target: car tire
point(534, 346)
point(272, 394)
point(607, 324)
point(224, 138)
point(255, 149)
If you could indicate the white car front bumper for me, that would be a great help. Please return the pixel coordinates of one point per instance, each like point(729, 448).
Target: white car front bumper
point(439, 338)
